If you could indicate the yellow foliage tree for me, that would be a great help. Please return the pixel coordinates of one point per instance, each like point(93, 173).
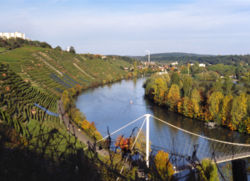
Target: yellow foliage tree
point(226, 108)
point(239, 109)
point(215, 101)
point(163, 165)
point(173, 96)
point(195, 98)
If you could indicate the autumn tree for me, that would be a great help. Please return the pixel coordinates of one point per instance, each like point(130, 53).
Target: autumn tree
point(173, 96)
point(226, 109)
point(195, 98)
point(163, 165)
point(215, 101)
point(160, 88)
point(239, 109)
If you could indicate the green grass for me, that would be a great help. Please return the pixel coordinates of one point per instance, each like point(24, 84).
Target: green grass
point(2, 49)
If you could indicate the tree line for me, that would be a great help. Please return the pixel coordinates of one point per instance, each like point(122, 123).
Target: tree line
point(204, 96)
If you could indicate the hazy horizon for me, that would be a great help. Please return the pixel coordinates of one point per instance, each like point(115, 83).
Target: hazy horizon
point(215, 27)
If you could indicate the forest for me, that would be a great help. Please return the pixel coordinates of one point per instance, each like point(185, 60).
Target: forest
point(192, 58)
point(217, 93)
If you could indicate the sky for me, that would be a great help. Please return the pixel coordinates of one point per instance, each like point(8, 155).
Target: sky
point(130, 27)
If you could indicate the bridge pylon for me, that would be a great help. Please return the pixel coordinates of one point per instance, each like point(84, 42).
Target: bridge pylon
point(147, 116)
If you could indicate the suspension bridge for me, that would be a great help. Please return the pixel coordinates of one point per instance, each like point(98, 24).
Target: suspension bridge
point(218, 150)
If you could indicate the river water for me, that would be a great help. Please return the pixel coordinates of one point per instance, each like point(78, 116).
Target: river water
point(117, 104)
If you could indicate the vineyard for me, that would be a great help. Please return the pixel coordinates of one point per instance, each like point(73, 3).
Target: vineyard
point(18, 100)
point(33, 79)
point(54, 71)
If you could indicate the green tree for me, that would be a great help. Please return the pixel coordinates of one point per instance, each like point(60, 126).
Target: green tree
point(227, 86)
point(175, 78)
point(217, 85)
point(187, 85)
point(58, 48)
point(208, 171)
point(72, 50)
point(215, 101)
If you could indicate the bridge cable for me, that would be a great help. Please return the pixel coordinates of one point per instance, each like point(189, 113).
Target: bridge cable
point(207, 138)
point(120, 128)
point(133, 145)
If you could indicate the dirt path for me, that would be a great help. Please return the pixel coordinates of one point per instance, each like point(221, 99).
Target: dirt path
point(85, 73)
point(74, 130)
point(46, 63)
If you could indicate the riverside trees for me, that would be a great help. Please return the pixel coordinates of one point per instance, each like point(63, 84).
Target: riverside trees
point(204, 97)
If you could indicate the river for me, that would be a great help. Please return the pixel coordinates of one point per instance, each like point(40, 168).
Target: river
point(117, 104)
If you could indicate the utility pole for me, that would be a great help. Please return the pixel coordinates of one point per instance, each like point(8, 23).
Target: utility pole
point(147, 139)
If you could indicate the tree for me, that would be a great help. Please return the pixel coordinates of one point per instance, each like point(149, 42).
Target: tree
point(208, 171)
point(215, 101)
point(187, 107)
point(187, 85)
point(72, 50)
point(195, 98)
point(58, 48)
point(217, 86)
point(160, 89)
point(239, 109)
point(175, 78)
point(163, 165)
point(226, 109)
point(173, 96)
point(227, 86)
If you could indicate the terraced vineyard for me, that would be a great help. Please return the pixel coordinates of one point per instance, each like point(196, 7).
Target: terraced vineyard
point(19, 100)
point(54, 71)
point(32, 81)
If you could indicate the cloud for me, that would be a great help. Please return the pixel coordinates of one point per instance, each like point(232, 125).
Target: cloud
point(200, 26)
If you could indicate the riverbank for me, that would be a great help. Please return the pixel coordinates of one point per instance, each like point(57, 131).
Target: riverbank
point(200, 99)
point(67, 103)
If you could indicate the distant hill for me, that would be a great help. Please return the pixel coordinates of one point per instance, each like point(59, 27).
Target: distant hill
point(192, 57)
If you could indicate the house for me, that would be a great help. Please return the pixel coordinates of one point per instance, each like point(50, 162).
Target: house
point(12, 35)
point(174, 63)
point(202, 65)
point(103, 57)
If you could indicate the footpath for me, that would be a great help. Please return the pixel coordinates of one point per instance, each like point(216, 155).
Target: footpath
point(75, 130)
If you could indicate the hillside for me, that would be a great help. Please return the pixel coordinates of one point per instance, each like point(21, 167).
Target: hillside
point(53, 71)
point(190, 57)
point(32, 81)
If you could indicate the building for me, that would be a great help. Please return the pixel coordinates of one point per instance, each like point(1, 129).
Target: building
point(174, 63)
point(202, 65)
point(12, 35)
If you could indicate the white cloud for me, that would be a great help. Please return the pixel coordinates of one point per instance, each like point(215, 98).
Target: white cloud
point(202, 27)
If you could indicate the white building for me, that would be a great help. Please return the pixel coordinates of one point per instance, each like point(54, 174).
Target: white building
point(174, 63)
point(12, 35)
point(202, 65)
